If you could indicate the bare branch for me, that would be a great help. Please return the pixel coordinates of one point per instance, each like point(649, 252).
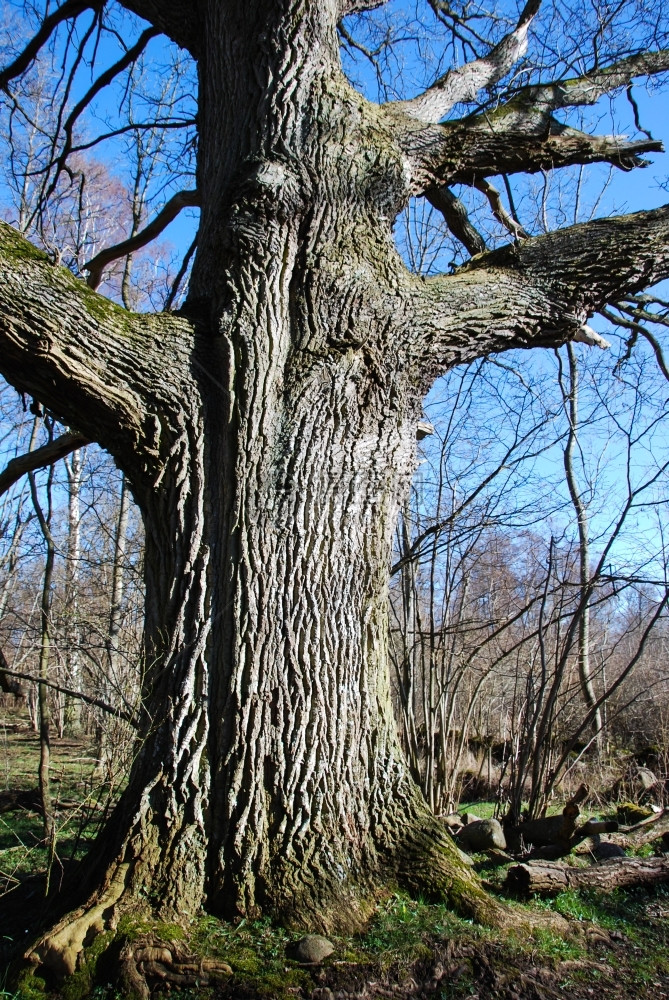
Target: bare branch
point(522, 135)
point(95, 267)
point(134, 127)
point(538, 292)
point(67, 10)
point(464, 84)
point(456, 217)
point(37, 459)
point(127, 59)
point(97, 702)
point(638, 329)
point(587, 89)
point(498, 210)
point(516, 139)
point(181, 274)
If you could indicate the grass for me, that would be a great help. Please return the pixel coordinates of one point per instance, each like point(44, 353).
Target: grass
point(635, 918)
point(79, 799)
point(255, 950)
point(484, 810)
point(403, 925)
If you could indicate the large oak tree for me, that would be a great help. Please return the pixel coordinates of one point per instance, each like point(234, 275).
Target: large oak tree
point(268, 430)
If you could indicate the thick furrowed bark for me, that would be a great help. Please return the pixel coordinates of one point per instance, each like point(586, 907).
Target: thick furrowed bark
point(100, 368)
point(311, 764)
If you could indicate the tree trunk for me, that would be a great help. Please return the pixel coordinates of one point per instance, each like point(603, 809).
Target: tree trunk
point(71, 714)
point(584, 669)
point(44, 711)
point(634, 837)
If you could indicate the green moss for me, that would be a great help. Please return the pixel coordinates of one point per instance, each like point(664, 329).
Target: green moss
point(80, 984)
point(30, 986)
point(102, 309)
point(629, 812)
point(280, 985)
point(133, 926)
point(256, 952)
point(17, 248)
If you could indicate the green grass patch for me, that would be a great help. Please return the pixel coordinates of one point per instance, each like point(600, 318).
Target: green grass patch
point(256, 952)
point(636, 917)
point(81, 799)
point(403, 925)
point(484, 810)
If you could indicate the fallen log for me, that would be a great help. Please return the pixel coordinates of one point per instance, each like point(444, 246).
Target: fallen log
point(20, 798)
point(550, 878)
point(597, 826)
point(549, 830)
point(635, 836)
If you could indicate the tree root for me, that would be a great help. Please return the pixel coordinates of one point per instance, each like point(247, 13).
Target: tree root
point(59, 949)
point(432, 867)
point(149, 961)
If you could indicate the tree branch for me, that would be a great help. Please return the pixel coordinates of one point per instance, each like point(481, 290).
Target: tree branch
point(67, 10)
point(498, 210)
point(97, 702)
point(456, 217)
point(358, 6)
point(514, 139)
point(127, 59)
point(178, 19)
point(538, 292)
point(522, 135)
point(587, 89)
point(47, 455)
point(94, 364)
point(95, 267)
point(464, 84)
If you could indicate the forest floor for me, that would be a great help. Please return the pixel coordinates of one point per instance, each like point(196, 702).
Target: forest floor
point(617, 945)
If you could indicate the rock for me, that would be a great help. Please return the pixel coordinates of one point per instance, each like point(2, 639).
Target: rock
point(630, 813)
point(607, 850)
point(312, 949)
point(646, 778)
point(482, 835)
point(468, 818)
point(465, 858)
point(452, 819)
